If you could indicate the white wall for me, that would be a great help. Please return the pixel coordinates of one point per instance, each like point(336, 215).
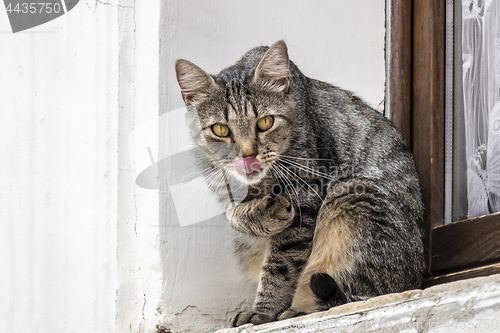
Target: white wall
point(76, 235)
point(341, 42)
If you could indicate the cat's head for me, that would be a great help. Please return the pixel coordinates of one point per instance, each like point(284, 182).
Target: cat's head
point(243, 117)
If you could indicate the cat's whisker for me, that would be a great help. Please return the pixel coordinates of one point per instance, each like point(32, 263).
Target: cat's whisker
point(215, 182)
point(287, 181)
point(300, 160)
point(298, 177)
point(277, 167)
point(210, 179)
point(305, 158)
point(307, 169)
point(216, 174)
point(213, 174)
point(184, 171)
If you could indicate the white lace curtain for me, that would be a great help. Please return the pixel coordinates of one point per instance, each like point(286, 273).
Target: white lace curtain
point(481, 90)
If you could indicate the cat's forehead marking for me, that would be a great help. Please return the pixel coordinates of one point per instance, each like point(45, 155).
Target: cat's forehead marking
point(233, 114)
point(238, 103)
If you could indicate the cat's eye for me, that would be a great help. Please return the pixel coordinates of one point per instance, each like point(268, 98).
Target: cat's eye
point(265, 123)
point(220, 130)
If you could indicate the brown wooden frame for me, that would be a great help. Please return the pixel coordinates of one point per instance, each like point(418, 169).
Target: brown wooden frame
point(416, 103)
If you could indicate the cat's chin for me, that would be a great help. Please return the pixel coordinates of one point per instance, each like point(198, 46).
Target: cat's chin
point(252, 178)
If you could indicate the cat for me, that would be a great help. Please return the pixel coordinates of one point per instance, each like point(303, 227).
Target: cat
point(334, 209)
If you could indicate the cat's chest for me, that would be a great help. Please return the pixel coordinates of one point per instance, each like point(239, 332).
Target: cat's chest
point(300, 190)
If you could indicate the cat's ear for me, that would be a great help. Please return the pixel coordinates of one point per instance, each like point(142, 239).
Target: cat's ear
point(195, 83)
point(273, 71)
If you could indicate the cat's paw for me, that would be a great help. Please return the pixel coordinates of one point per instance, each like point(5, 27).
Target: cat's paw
point(250, 317)
point(291, 313)
point(276, 208)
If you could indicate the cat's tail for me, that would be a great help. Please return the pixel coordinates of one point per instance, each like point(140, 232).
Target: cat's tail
point(328, 293)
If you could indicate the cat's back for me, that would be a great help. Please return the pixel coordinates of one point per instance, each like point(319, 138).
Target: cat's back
point(244, 69)
point(340, 104)
point(363, 137)
point(354, 125)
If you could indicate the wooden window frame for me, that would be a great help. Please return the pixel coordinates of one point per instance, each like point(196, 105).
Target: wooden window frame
point(415, 102)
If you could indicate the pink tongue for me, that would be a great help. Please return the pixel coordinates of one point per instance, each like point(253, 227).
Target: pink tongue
point(247, 165)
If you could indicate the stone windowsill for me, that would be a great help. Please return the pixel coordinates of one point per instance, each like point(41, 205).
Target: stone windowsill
point(471, 305)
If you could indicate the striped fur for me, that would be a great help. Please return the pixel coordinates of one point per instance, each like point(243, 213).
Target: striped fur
point(338, 194)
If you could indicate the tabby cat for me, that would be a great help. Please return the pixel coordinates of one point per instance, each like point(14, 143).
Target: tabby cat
point(334, 209)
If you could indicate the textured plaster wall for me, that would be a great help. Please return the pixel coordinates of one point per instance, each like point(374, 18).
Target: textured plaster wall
point(341, 42)
point(58, 182)
point(77, 238)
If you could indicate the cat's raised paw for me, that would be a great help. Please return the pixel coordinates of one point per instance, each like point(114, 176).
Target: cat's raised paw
point(277, 207)
point(250, 317)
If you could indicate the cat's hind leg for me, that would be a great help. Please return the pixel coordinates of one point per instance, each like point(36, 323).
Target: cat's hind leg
point(327, 294)
point(331, 254)
point(327, 291)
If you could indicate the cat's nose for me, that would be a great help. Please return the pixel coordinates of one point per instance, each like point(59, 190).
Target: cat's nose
point(247, 165)
point(248, 148)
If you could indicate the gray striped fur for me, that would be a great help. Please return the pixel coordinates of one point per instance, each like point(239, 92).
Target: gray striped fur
point(338, 193)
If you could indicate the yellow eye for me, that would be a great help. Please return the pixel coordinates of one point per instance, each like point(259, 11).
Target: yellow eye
point(220, 130)
point(265, 123)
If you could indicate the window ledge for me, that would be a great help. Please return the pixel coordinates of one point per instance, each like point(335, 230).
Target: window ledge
point(469, 306)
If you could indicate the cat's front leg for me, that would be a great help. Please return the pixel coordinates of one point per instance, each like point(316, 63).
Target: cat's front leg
point(263, 217)
point(287, 254)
